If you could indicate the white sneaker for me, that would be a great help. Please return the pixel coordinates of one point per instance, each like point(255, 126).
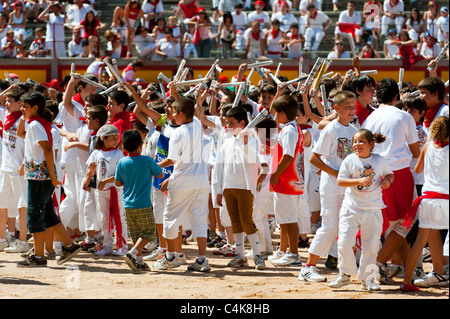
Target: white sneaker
point(122, 251)
point(287, 260)
point(155, 255)
point(311, 274)
point(202, 267)
point(105, 251)
point(392, 270)
point(18, 247)
point(276, 255)
point(182, 259)
point(259, 262)
point(3, 245)
point(430, 280)
point(164, 263)
point(370, 285)
point(340, 281)
point(151, 246)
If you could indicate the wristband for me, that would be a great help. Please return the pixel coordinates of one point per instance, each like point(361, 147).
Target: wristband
point(390, 181)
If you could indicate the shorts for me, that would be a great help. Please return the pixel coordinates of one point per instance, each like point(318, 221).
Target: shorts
point(313, 193)
point(397, 226)
point(40, 212)
point(13, 192)
point(141, 223)
point(158, 200)
point(287, 208)
point(433, 213)
point(184, 206)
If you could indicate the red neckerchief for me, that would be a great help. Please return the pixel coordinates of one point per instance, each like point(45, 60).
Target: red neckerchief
point(47, 127)
point(430, 46)
point(82, 119)
point(132, 155)
point(431, 114)
point(362, 113)
point(305, 127)
point(77, 42)
point(109, 149)
point(294, 36)
point(274, 33)
point(441, 144)
point(411, 213)
point(93, 133)
point(1, 129)
point(128, 68)
point(314, 15)
point(114, 216)
point(390, 3)
point(77, 98)
point(255, 36)
point(11, 118)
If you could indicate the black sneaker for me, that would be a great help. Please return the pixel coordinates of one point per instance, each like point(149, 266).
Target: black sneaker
point(131, 261)
point(215, 241)
point(32, 261)
point(68, 253)
point(86, 246)
point(384, 278)
point(331, 262)
point(303, 243)
point(142, 267)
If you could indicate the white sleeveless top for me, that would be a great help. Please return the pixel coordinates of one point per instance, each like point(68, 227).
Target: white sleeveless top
point(436, 171)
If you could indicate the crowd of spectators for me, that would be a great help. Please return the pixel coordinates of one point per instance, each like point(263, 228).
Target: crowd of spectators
point(263, 28)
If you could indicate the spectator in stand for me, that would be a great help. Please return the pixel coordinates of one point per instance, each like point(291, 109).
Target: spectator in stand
point(442, 23)
point(175, 26)
point(166, 47)
point(276, 5)
point(227, 36)
point(391, 51)
point(406, 49)
point(39, 48)
point(152, 10)
point(349, 22)
point(430, 48)
point(5, 7)
point(144, 43)
point(415, 25)
point(189, 47)
point(259, 15)
point(339, 51)
point(10, 46)
point(77, 12)
point(369, 52)
point(227, 5)
point(392, 15)
point(275, 39)
point(76, 48)
point(430, 17)
point(202, 41)
point(240, 19)
point(132, 12)
point(187, 9)
point(55, 29)
point(304, 5)
point(316, 25)
point(4, 26)
point(32, 6)
point(114, 44)
point(90, 26)
point(294, 42)
point(371, 26)
point(284, 17)
point(18, 21)
point(254, 40)
point(159, 31)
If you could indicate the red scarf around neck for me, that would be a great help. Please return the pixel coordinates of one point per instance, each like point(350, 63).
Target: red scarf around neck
point(274, 33)
point(255, 35)
point(314, 14)
point(441, 144)
point(77, 98)
point(11, 118)
point(47, 127)
point(431, 114)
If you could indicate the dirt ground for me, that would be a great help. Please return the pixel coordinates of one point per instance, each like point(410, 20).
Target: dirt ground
point(91, 277)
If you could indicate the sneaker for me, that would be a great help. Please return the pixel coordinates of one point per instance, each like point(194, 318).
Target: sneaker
point(181, 259)
point(3, 245)
point(259, 262)
point(227, 251)
point(215, 241)
point(276, 255)
point(311, 274)
point(370, 285)
point(86, 246)
point(287, 260)
point(164, 263)
point(202, 267)
point(155, 255)
point(151, 246)
point(122, 251)
point(417, 274)
point(392, 270)
point(406, 288)
point(50, 256)
point(220, 244)
point(69, 253)
point(331, 262)
point(18, 247)
point(430, 280)
point(340, 281)
point(32, 261)
point(384, 278)
point(238, 262)
point(131, 261)
point(28, 253)
point(426, 255)
point(303, 243)
point(314, 228)
point(142, 267)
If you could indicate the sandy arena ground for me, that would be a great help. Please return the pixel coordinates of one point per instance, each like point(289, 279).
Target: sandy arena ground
point(91, 277)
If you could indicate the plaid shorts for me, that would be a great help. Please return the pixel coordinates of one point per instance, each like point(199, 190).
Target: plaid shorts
point(141, 223)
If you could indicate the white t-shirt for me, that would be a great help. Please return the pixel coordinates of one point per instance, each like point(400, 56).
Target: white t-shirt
point(106, 164)
point(345, 17)
point(436, 170)
point(285, 20)
point(240, 20)
point(295, 50)
point(147, 7)
point(365, 198)
point(425, 51)
point(150, 142)
point(35, 164)
point(13, 146)
point(186, 149)
point(262, 18)
point(255, 45)
point(333, 55)
point(319, 20)
point(288, 138)
point(399, 128)
point(76, 14)
point(304, 4)
point(399, 7)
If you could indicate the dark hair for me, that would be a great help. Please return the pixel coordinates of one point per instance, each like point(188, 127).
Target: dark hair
point(121, 97)
point(186, 106)
point(238, 113)
point(416, 103)
point(15, 93)
point(131, 140)
point(53, 107)
point(98, 112)
point(268, 88)
point(287, 104)
point(361, 81)
point(227, 15)
point(34, 98)
point(433, 85)
point(387, 90)
point(371, 137)
point(90, 26)
point(97, 99)
point(140, 127)
point(137, 63)
point(419, 16)
point(83, 84)
point(267, 124)
point(159, 107)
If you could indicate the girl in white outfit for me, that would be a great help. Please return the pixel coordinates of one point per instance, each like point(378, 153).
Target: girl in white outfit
point(364, 175)
point(103, 162)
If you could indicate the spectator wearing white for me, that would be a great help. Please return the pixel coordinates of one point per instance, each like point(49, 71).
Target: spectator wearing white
point(415, 25)
point(349, 16)
point(393, 15)
point(430, 18)
point(75, 46)
point(240, 19)
point(274, 39)
point(227, 5)
point(18, 21)
point(4, 26)
point(442, 24)
point(55, 29)
point(294, 41)
point(144, 43)
point(338, 52)
point(152, 10)
point(304, 5)
point(259, 15)
point(317, 23)
point(284, 17)
point(166, 47)
point(114, 44)
point(254, 40)
point(77, 12)
point(10, 46)
point(391, 51)
point(276, 5)
point(430, 48)
point(188, 41)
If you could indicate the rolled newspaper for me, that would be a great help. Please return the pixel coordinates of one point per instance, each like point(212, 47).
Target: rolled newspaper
point(446, 84)
point(75, 75)
point(311, 74)
point(367, 72)
point(252, 124)
point(439, 57)
point(326, 63)
point(261, 73)
point(8, 77)
point(352, 44)
point(180, 68)
point(191, 82)
point(260, 64)
point(219, 69)
point(183, 75)
point(278, 69)
point(33, 82)
point(239, 93)
point(72, 68)
point(211, 70)
point(415, 93)
point(323, 92)
point(401, 72)
point(115, 72)
point(278, 82)
point(161, 95)
point(165, 78)
point(110, 89)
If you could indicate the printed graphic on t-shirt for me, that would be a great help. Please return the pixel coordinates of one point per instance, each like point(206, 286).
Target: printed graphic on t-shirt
point(103, 167)
point(367, 171)
point(344, 147)
point(36, 171)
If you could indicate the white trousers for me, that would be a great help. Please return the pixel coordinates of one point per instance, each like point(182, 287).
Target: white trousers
point(387, 21)
point(261, 208)
point(70, 206)
point(313, 34)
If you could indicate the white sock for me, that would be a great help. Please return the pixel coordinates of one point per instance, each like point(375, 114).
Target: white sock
point(253, 239)
point(134, 251)
point(170, 255)
point(239, 241)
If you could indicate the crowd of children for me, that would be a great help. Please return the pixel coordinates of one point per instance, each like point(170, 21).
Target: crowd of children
point(156, 165)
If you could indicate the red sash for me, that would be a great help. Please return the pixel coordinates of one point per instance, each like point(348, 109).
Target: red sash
point(114, 217)
point(290, 181)
point(411, 213)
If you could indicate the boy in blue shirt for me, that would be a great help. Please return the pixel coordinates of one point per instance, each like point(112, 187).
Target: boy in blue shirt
point(134, 172)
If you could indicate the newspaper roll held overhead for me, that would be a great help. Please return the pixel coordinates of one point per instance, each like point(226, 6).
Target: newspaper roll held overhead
point(352, 44)
point(439, 57)
point(311, 74)
point(401, 72)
